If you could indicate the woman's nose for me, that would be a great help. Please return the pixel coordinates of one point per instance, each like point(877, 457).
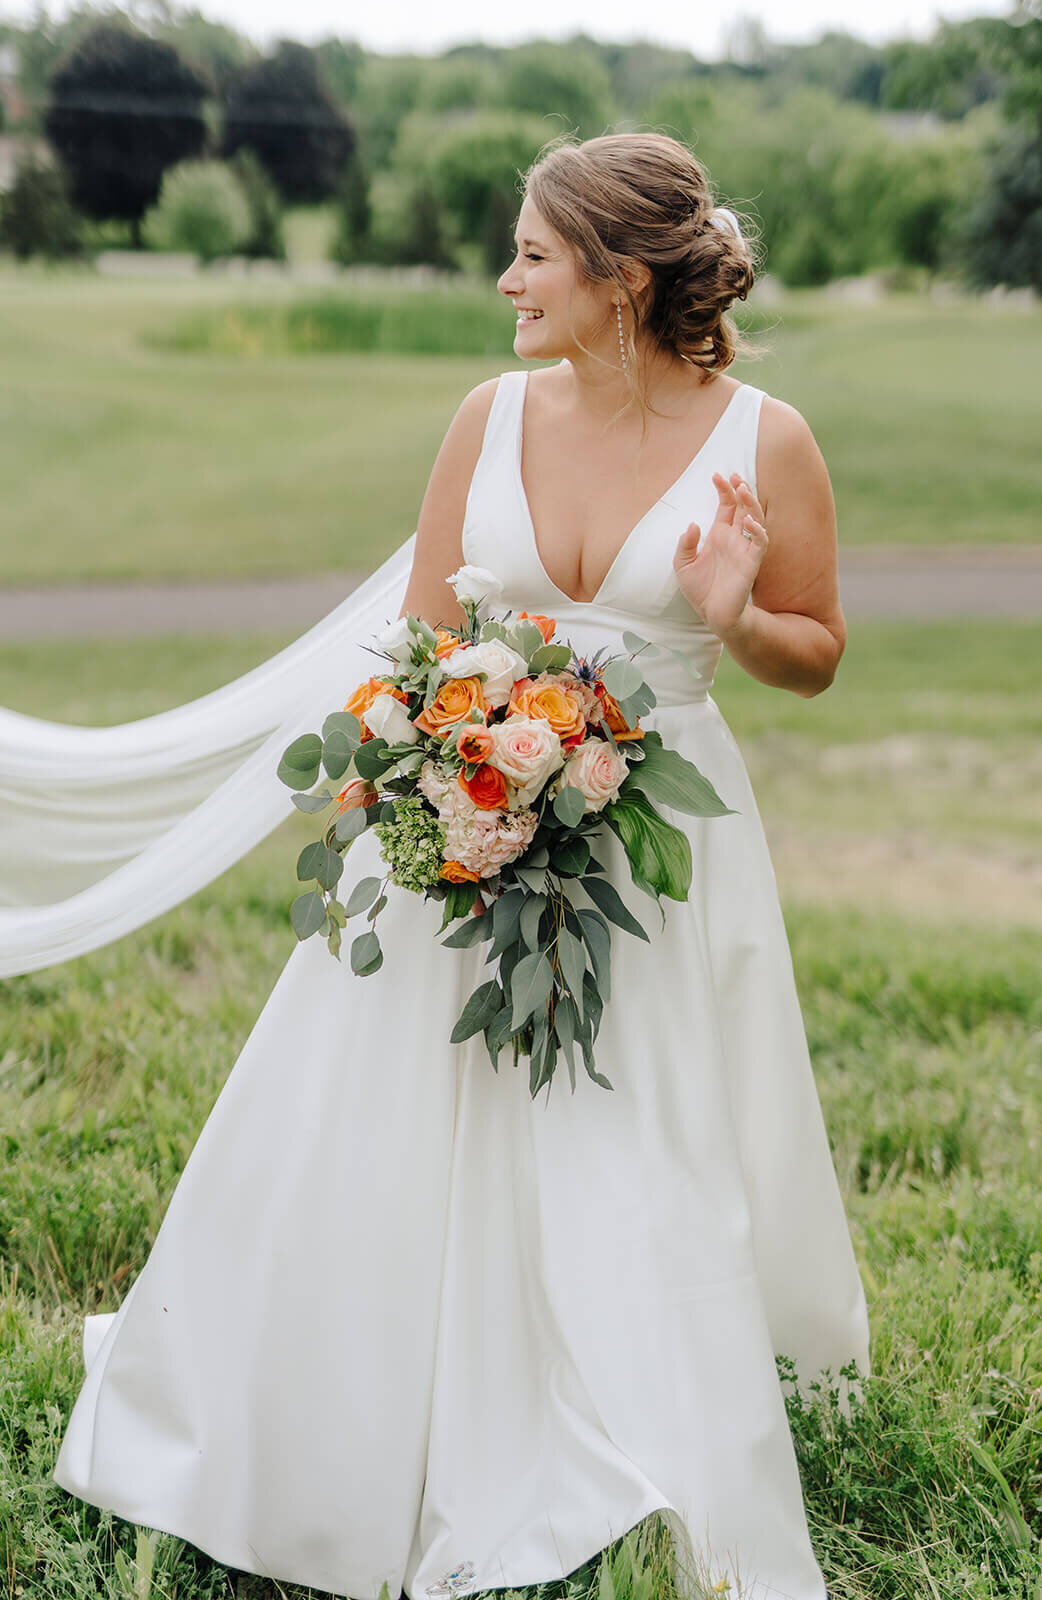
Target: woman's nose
point(508, 282)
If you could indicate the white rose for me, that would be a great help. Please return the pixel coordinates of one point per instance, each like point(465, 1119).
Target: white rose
point(526, 752)
point(596, 770)
point(388, 719)
point(475, 584)
point(397, 641)
point(501, 665)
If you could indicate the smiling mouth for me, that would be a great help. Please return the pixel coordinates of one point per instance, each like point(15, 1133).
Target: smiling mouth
point(528, 316)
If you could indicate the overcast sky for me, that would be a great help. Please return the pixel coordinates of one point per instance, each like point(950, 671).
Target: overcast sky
point(692, 24)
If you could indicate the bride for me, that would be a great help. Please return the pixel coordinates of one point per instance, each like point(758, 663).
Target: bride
point(402, 1325)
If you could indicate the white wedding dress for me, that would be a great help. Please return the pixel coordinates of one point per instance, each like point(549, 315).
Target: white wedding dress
point(402, 1323)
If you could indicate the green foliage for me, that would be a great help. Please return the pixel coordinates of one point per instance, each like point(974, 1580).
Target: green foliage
point(281, 108)
point(35, 215)
point(122, 109)
point(1002, 235)
point(202, 210)
point(351, 240)
point(477, 167)
point(264, 237)
point(564, 83)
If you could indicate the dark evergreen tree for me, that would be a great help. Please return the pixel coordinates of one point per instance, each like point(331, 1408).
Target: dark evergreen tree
point(1002, 239)
point(281, 109)
point(352, 235)
point(35, 215)
point(123, 108)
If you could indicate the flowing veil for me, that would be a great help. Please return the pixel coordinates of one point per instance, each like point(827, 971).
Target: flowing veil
point(102, 829)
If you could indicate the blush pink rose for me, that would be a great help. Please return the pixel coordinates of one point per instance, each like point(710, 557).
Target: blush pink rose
point(527, 752)
point(597, 771)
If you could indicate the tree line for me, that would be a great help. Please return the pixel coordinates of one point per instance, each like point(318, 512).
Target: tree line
point(845, 157)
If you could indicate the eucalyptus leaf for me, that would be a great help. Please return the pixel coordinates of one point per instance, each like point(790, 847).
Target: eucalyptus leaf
point(496, 1035)
point(470, 932)
point(301, 761)
point(334, 939)
point(608, 900)
point(569, 806)
point(309, 861)
point(344, 722)
point(567, 1033)
point(526, 638)
point(638, 646)
point(597, 939)
point(366, 955)
point(572, 957)
point(571, 857)
point(528, 925)
point(312, 803)
point(550, 658)
point(337, 751)
point(506, 912)
point(372, 759)
point(336, 911)
point(351, 823)
point(484, 1004)
point(533, 878)
point(530, 987)
point(307, 914)
point(622, 679)
point(458, 900)
point(329, 868)
point(362, 896)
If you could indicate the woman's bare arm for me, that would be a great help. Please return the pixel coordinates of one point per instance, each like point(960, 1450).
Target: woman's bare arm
point(439, 549)
point(792, 632)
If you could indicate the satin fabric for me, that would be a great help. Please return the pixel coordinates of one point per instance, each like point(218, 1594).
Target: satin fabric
point(400, 1320)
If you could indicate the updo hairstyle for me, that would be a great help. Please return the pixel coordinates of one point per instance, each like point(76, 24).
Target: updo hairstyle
point(643, 197)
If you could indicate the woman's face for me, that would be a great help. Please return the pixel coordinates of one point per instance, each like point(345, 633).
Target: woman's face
point(557, 312)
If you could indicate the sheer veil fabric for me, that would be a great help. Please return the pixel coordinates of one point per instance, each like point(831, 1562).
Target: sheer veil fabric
point(401, 1322)
point(102, 829)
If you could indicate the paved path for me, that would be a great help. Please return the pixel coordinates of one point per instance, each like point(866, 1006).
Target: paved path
point(900, 583)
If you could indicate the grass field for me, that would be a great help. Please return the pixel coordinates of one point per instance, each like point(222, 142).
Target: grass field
point(124, 457)
point(926, 1031)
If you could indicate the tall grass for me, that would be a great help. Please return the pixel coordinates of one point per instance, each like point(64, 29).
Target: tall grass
point(927, 1042)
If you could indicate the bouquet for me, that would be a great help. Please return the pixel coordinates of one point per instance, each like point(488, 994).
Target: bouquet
point(489, 760)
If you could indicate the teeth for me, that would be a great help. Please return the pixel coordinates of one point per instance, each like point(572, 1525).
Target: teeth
point(528, 316)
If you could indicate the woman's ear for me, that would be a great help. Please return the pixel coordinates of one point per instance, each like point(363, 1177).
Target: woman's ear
point(637, 275)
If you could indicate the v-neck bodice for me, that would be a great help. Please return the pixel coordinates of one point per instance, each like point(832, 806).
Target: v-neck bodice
point(639, 591)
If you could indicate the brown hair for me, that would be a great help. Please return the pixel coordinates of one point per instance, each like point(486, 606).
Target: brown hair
point(642, 197)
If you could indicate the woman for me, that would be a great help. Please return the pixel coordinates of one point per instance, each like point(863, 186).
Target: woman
point(403, 1325)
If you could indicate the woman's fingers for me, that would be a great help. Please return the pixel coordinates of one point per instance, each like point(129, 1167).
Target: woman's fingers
point(688, 543)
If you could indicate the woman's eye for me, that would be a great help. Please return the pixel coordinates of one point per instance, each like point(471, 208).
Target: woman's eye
point(530, 257)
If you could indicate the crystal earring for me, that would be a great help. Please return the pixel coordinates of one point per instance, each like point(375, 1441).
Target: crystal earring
point(622, 341)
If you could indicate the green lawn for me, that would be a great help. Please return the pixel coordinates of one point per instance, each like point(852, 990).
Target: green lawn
point(925, 1027)
point(122, 458)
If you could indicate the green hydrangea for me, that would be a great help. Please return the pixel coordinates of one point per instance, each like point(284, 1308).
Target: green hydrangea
point(412, 845)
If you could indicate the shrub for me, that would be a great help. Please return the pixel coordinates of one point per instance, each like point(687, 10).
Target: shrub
point(35, 215)
point(202, 209)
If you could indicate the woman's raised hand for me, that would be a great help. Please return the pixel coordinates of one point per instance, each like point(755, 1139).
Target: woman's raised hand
point(716, 570)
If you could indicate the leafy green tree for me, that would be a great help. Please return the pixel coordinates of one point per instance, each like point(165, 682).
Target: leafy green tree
point(352, 235)
point(476, 171)
point(1002, 238)
point(265, 237)
point(35, 215)
point(565, 82)
point(201, 210)
point(123, 108)
point(282, 110)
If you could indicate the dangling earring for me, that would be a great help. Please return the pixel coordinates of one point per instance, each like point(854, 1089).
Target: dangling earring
point(622, 341)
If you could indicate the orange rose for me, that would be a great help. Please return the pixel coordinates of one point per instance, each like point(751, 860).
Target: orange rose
point(447, 643)
point(546, 625)
point(487, 788)
point(616, 721)
point(364, 696)
point(454, 701)
point(456, 872)
point(474, 742)
point(557, 706)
